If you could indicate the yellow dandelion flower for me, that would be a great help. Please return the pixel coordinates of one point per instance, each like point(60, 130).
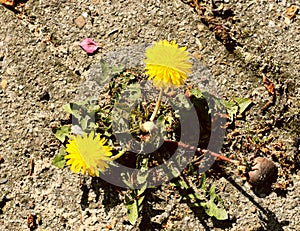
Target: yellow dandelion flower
point(88, 153)
point(167, 64)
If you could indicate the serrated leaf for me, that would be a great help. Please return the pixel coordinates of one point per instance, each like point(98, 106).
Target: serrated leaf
point(181, 101)
point(232, 109)
point(161, 119)
point(196, 204)
point(93, 125)
point(194, 196)
point(132, 212)
point(203, 182)
point(128, 200)
point(212, 210)
point(173, 184)
point(141, 190)
point(62, 132)
point(182, 184)
point(197, 93)
point(117, 69)
point(105, 69)
point(59, 159)
point(140, 201)
point(170, 119)
point(125, 179)
point(84, 122)
point(243, 103)
point(212, 192)
point(68, 108)
point(81, 102)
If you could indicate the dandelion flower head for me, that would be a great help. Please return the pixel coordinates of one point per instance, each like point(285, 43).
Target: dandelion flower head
point(88, 153)
point(167, 64)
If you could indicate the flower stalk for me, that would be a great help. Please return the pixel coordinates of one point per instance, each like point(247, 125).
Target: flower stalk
point(157, 105)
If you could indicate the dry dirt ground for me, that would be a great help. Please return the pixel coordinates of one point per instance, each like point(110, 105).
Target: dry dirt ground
point(43, 64)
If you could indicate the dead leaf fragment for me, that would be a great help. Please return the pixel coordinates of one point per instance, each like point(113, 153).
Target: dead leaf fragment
point(291, 12)
point(8, 2)
point(197, 55)
point(4, 84)
point(95, 2)
point(31, 221)
point(31, 167)
point(281, 186)
point(108, 227)
point(199, 44)
point(269, 85)
point(221, 34)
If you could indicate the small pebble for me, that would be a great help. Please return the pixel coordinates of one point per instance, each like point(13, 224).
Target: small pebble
point(3, 181)
point(85, 14)
point(80, 21)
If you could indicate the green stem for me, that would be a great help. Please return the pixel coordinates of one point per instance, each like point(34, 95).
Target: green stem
point(157, 105)
point(121, 153)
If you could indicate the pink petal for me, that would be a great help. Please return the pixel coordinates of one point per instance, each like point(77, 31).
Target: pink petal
point(89, 46)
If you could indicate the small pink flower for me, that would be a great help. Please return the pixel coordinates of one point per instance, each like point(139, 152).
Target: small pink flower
point(89, 46)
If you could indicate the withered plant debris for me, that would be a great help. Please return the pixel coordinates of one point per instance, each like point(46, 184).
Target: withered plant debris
point(270, 86)
point(288, 162)
point(8, 3)
point(17, 6)
point(215, 16)
point(31, 221)
point(291, 12)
